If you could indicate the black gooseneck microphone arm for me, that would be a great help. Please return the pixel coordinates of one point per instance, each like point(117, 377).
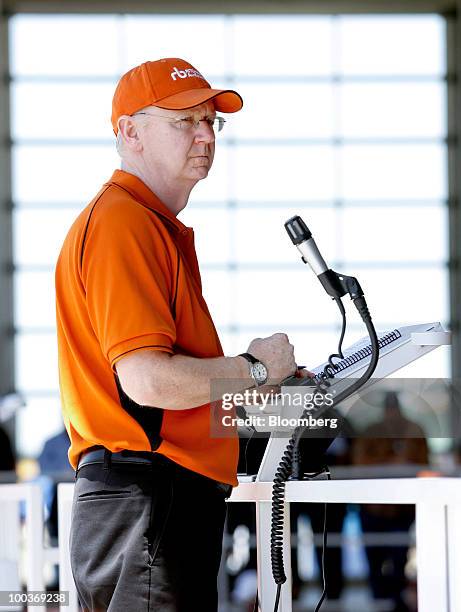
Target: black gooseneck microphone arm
point(336, 285)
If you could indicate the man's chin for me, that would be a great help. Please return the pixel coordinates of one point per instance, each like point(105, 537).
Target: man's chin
point(200, 172)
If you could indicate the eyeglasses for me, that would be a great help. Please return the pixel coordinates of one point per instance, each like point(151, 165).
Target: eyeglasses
point(187, 123)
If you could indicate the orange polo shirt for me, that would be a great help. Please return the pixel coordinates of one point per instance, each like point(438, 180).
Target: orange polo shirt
point(127, 279)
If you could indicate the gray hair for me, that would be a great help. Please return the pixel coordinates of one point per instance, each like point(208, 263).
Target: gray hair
point(119, 142)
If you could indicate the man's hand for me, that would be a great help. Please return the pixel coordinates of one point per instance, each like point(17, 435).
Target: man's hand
point(277, 354)
point(303, 373)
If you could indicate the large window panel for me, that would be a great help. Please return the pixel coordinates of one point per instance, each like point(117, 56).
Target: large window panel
point(39, 234)
point(58, 174)
point(281, 298)
point(392, 45)
point(405, 296)
point(394, 172)
point(274, 245)
point(281, 172)
point(71, 45)
point(306, 48)
point(393, 110)
point(36, 362)
point(411, 233)
point(34, 302)
point(199, 39)
point(77, 111)
point(292, 110)
point(40, 419)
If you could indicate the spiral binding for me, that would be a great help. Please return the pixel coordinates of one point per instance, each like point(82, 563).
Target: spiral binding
point(347, 362)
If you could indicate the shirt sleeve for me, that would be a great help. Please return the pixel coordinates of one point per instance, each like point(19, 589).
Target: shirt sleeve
point(128, 274)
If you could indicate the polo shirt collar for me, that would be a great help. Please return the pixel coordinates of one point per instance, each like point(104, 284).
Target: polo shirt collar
point(143, 194)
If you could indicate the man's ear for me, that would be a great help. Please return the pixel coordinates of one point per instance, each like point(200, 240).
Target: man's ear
point(129, 132)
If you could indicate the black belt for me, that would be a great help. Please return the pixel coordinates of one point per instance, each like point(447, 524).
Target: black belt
point(127, 457)
point(98, 455)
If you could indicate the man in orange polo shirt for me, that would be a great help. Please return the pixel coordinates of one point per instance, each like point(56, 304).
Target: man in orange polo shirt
point(138, 352)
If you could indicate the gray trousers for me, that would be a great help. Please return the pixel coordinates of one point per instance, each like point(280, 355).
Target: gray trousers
point(146, 538)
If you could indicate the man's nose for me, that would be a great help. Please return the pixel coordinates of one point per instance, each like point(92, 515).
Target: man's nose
point(204, 132)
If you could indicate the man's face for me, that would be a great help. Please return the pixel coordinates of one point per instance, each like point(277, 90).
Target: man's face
point(175, 146)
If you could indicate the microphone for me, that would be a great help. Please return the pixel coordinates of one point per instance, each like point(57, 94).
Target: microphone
point(301, 237)
point(336, 285)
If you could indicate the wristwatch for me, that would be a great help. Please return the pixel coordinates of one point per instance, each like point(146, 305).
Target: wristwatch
point(258, 370)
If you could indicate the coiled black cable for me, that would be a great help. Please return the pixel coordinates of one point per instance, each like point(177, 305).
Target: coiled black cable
point(330, 369)
point(284, 469)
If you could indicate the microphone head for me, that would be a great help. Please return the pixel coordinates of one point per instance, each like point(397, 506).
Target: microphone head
point(297, 230)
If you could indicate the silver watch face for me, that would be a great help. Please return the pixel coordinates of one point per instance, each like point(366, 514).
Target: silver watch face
point(259, 372)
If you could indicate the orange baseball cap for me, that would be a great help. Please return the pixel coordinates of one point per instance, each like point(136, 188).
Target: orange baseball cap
point(168, 83)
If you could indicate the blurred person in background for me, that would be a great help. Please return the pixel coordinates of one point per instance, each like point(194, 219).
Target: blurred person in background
point(7, 460)
point(9, 405)
point(394, 440)
point(54, 464)
point(54, 468)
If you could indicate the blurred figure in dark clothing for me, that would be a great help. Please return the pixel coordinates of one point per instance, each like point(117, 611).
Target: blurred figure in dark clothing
point(53, 461)
point(7, 460)
point(53, 458)
point(394, 440)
